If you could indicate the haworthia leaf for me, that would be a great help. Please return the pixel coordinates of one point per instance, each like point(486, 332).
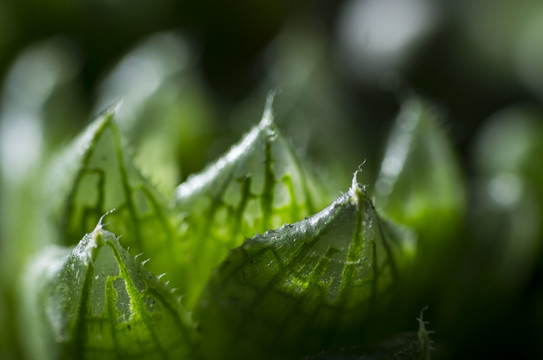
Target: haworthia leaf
point(309, 98)
point(95, 301)
point(32, 114)
point(95, 175)
point(258, 185)
point(420, 185)
point(419, 177)
point(299, 287)
point(166, 113)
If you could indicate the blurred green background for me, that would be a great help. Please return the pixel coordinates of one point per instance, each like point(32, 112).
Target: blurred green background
point(341, 70)
point(339, 64)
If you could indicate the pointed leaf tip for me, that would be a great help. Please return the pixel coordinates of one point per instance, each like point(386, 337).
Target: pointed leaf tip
point(257, 185)
point(93, 177)
point(330, 270)
point(420, 173)
point(267, 116)
point(98, 299)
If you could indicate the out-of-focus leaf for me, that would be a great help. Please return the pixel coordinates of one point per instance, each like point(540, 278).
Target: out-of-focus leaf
point(420, 178)
point(300, 288)
point(166, 113)
point(420, 185)
point(503, 259)
point(510, 194)
point(6, 349)
point(258, 185)
point(95, 301)
point(29, 130)
point(309, 97)
point(528, 52)
point(39, 94)
point(32, 121)
point(95, 175)
point(510, 142)
point(497, 42)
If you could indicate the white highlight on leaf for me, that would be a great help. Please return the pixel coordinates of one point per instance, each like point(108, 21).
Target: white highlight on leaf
point(398, 149)
point(267, 117)
point(100, 222)
point(326, 213)
point(46, 266)
point(97, 232)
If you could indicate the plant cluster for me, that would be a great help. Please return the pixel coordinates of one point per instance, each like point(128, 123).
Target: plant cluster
point(254, 257)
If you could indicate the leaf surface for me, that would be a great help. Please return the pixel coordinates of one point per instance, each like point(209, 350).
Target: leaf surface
point(420, 177)
point(166, 114)
point(258, 185)
point(420, 185)
point(95, 301)
point(297, 289)
point(95, 175)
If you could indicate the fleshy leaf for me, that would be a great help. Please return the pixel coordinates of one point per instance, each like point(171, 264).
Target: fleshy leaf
point(309, 99)
point(95, 175)
point(258, 185)
point(166, 113)
point(420, 177)
point(38, 92)
point(298, 289)
point(95, 301)
point(420, 185)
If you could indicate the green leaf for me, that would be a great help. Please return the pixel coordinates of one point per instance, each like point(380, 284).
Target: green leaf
point(420, 178)
point(309, 99)
point(95, 301)
point(166, 114)
point(258, 185)
point(95, 175)
point(39, 92)
point(420, 185)
point(300, 288)
point(510, 142)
